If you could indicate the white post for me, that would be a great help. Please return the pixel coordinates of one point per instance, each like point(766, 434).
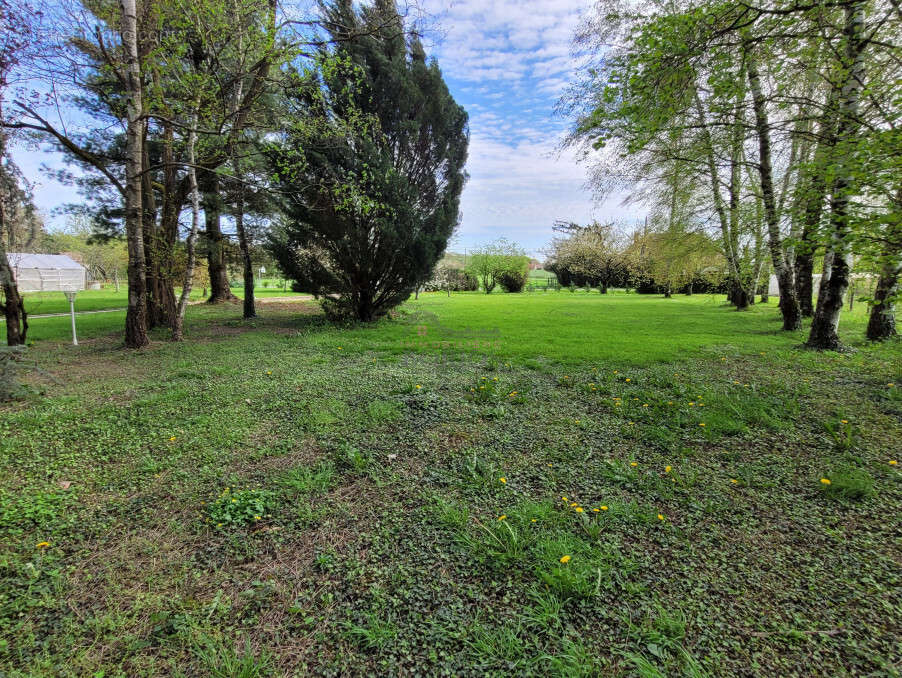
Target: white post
point(71, 297)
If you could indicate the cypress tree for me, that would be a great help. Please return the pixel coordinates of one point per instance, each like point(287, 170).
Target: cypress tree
point(370, 166)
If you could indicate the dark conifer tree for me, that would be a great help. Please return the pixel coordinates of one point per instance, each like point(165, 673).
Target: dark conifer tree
point(371, 165)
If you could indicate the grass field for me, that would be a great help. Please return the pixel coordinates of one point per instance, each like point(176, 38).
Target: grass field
point(38, 303)
point(538, 484)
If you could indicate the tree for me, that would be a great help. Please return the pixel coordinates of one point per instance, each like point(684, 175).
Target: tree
point(499, 260)
point(15, 34)
point(370, 168)
point(588, 255)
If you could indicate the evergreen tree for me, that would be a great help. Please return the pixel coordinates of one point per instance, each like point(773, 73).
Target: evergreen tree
point(370, 167)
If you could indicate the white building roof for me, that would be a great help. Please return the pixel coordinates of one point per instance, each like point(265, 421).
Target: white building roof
point(44, 261)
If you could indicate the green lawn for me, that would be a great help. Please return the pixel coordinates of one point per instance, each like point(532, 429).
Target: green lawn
point(38, 303)
point(287, 497)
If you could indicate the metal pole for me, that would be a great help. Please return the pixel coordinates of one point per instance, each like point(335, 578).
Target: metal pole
point(71, 296)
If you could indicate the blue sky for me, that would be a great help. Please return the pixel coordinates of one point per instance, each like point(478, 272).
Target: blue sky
point(507, 62)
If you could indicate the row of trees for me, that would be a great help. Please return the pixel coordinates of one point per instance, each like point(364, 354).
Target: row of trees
point(658, 256)
point(775, 125)
point(329, 137)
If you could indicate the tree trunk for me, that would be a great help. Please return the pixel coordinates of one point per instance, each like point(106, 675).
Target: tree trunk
point(219, 278)
point(12, 307)
point(250, 310)
point(725, 230)
point(191, 245)
point(882, 320)
point(136, 315)
point(824, 327)
point(789, 303)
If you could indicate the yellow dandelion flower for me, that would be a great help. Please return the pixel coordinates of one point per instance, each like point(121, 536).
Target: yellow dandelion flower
point(503, 480)
point(734, 481)
point(256, 517)
point(667, 469)
point(533, 520)
point(616, 371)
point(670, 402)
point(702, 424)
point(890, 385)
point(893, 462)
point(578, 509)
point(660, 516)
point(628, 379)
point(595, 510)
point(645, 405)
point(634, 463)
point(564, 499)
point(171, 439)
point(573, 503)
point(269, 372)
point(502, 517)
point(42, 544)
point(691, 403)
point(843, 421)
point(604, 508)
point(825, 481)
point(565, 559)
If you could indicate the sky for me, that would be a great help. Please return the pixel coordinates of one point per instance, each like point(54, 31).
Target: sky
point(507, 62)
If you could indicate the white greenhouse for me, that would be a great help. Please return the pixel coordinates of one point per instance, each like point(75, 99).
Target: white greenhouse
point(47, 272)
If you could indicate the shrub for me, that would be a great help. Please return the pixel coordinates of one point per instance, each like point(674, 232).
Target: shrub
point(513, 280)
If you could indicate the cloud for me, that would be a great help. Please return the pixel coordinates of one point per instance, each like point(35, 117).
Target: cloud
point(508, 62)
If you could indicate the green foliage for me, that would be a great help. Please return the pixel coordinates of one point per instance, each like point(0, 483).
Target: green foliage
point(371, 166)
point(499, 260)
point(235, 508)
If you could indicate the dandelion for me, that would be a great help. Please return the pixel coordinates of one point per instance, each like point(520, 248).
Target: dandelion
point(533, 520)
point(578, 509)
point(667, 469)
point(502, 517)
point(256, 517)
point(843, 421)
point(573, 503)
point(171, 439)
point(893, 462)
point(645, 405)
point(616, 372)
point(502, 480)
point(691, 403)
point(564, 499)
point(825, 481)
point(511, 394)
point(604, 508)
point(595, 510)
point(549, 464)
point(269, 371)
point(42, 544)
point(702, 424)
point(734, 481)
point(634, 463)
point(660, 516)
point(418, 386)
point(628, 379)
point(565, 559)
point(670, 402)
point(890, 385)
